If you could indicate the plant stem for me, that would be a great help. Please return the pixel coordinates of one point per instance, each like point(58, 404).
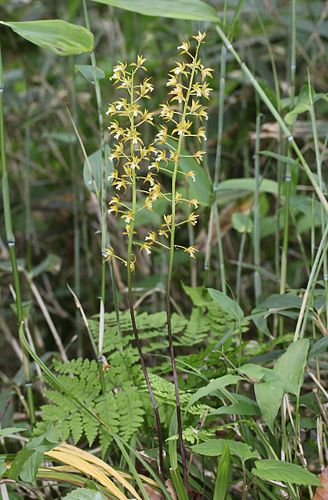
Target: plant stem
point(12, 250)
point(131, 307)
point(257, 215)
point(299, 331)
point(319, 172)
point(217, 172)
point(169, 277)
point(278, 118)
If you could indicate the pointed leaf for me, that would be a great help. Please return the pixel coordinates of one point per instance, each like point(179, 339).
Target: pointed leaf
point(56, 35)
point(215, 447)
point(84, 494)
point(223, 475)
point(228, 305)
point(176, 9)
point(276, 470)
point(213, 386)
point(292, 363)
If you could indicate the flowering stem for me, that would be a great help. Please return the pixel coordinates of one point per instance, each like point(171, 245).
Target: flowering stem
point(169, 277)
point(131, 308)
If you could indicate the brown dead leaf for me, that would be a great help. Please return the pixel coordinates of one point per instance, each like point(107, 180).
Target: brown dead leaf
point(322, 493)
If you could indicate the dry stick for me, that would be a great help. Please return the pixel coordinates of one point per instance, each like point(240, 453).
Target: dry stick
point(47, 317)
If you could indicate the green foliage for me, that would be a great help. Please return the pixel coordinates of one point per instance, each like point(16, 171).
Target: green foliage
point(276, 470)
point(178, 9)
point(56, 35)
point(120, 408)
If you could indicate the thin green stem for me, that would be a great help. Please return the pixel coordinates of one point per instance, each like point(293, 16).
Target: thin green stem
point(257, 215)
point(218, 164)
point(130, 264)
point(12, 250)
point(300, 327)
point(170, 272)
point(319, 172)
point(278, 118)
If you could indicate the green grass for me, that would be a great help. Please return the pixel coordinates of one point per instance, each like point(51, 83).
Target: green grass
point(210, 372)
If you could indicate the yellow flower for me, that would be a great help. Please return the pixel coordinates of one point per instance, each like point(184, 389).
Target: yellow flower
point(145, 88)
point(168, 220)
point(192, 219)
point(162, 135)
point(120, 183)
point(155, 192)
point(128, 217)
point(108, 253)
point(117, 152)
point(149, 178)
point(194, 202)
point(200, 36)
point(154, 165)
point(205, 72)
point(146, 248)
point(199, 156)
point(191, 251)
point(151, 237)
point(167, 112)
point(191, 174)
point(184, 47)
point(133, 136)
point(174, 156)
point(139, 63)
point(182, 128)
point(148, 203)
point(180, 69)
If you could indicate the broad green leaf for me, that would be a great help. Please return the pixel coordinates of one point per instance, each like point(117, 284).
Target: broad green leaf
point(228, 305)
point(9, 431)
point(276, 303)
point(25, 465)
point(87, 71)
point(269, 397)
point(223, 475)
point(3, 468)
point(63, 38)
point(292, 363)
point(30, 468)
point(213, 386)
point(270, 386)
point(201, 188)
point(84, 494)
point(242, 409)
point(177, 9)
point(247, 184)
point(276, 470)
point(242, 222)
point(92, 170)
point(199, 295)
point(319, 347)
point(215, 448)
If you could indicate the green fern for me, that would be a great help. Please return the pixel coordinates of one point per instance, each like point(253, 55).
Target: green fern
point(122, 410)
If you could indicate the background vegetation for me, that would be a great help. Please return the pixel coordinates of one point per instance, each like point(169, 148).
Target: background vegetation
point(250, 313)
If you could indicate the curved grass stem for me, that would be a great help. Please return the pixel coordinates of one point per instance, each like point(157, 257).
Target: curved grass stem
point(12, 251)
